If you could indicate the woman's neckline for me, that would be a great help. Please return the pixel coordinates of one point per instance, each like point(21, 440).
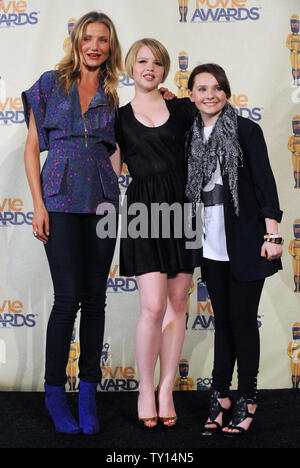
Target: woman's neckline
point(90, 102)
point(148, 126)
point(209, 127)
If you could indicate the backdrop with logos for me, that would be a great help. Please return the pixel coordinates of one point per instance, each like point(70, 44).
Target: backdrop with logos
point(257, 42)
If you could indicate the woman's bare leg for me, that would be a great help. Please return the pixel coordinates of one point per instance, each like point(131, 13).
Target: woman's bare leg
point(153, 303)
point(173, 333)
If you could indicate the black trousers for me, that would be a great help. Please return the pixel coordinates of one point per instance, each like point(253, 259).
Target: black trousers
point(79, 264)
point(237, 340)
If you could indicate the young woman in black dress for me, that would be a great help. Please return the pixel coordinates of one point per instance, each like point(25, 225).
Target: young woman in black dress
point(150, 132)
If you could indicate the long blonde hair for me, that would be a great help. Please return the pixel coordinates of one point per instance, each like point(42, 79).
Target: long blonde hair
point(70, 66)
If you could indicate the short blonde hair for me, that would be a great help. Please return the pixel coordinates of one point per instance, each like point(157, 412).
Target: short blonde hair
point(159, 51)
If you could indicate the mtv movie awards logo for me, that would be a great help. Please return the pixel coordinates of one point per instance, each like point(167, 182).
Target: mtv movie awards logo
point(240, 102)
point(116, 377)
point(12, 315)
point(293, 352)
point(186, 383)
point(125, 177)
point(217, 11)
point(293, 44)
point(16, 13)
point(119, 284)
point(12, 213)
point(204, 319)
point(294, 251)
point(125, 80)
point(11, 110)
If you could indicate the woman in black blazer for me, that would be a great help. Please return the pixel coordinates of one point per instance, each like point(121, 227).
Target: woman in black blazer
point(229, 172)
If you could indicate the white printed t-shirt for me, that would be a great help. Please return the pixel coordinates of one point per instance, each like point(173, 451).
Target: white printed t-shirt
point(214, 239)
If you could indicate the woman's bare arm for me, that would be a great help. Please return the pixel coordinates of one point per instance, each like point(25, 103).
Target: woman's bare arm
point(40, 222)
point(116, 161)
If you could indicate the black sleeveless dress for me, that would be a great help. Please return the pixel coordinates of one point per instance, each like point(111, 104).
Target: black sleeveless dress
point(156, 162)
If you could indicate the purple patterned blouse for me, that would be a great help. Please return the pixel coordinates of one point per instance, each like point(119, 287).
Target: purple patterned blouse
point(77, 175)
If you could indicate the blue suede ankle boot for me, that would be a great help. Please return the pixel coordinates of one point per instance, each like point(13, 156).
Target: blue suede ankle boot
point(88, 420)
point(60, 413)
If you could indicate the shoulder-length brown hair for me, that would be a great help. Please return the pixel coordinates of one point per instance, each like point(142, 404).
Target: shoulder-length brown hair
point(70, 66)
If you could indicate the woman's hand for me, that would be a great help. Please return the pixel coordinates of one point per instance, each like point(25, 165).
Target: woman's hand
point(116, 161)
point(40, 224)
point(271, 251)
point(166, 94)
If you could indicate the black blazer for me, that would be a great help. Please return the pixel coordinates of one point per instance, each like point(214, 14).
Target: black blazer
point(258, 199)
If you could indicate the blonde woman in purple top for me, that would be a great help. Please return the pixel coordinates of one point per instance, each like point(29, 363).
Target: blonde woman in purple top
point(71, 113)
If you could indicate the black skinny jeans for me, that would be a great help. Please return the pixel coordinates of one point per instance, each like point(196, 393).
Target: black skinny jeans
point(79, 264)
point(235, 306)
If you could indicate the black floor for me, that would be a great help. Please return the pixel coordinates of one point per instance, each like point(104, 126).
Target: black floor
point(24, 423)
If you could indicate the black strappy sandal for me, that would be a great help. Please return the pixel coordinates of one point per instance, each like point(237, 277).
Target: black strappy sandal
point(214, 411)
point(240, 413)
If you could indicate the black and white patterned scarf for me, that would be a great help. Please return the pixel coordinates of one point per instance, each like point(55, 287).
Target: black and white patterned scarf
point(202, 157)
